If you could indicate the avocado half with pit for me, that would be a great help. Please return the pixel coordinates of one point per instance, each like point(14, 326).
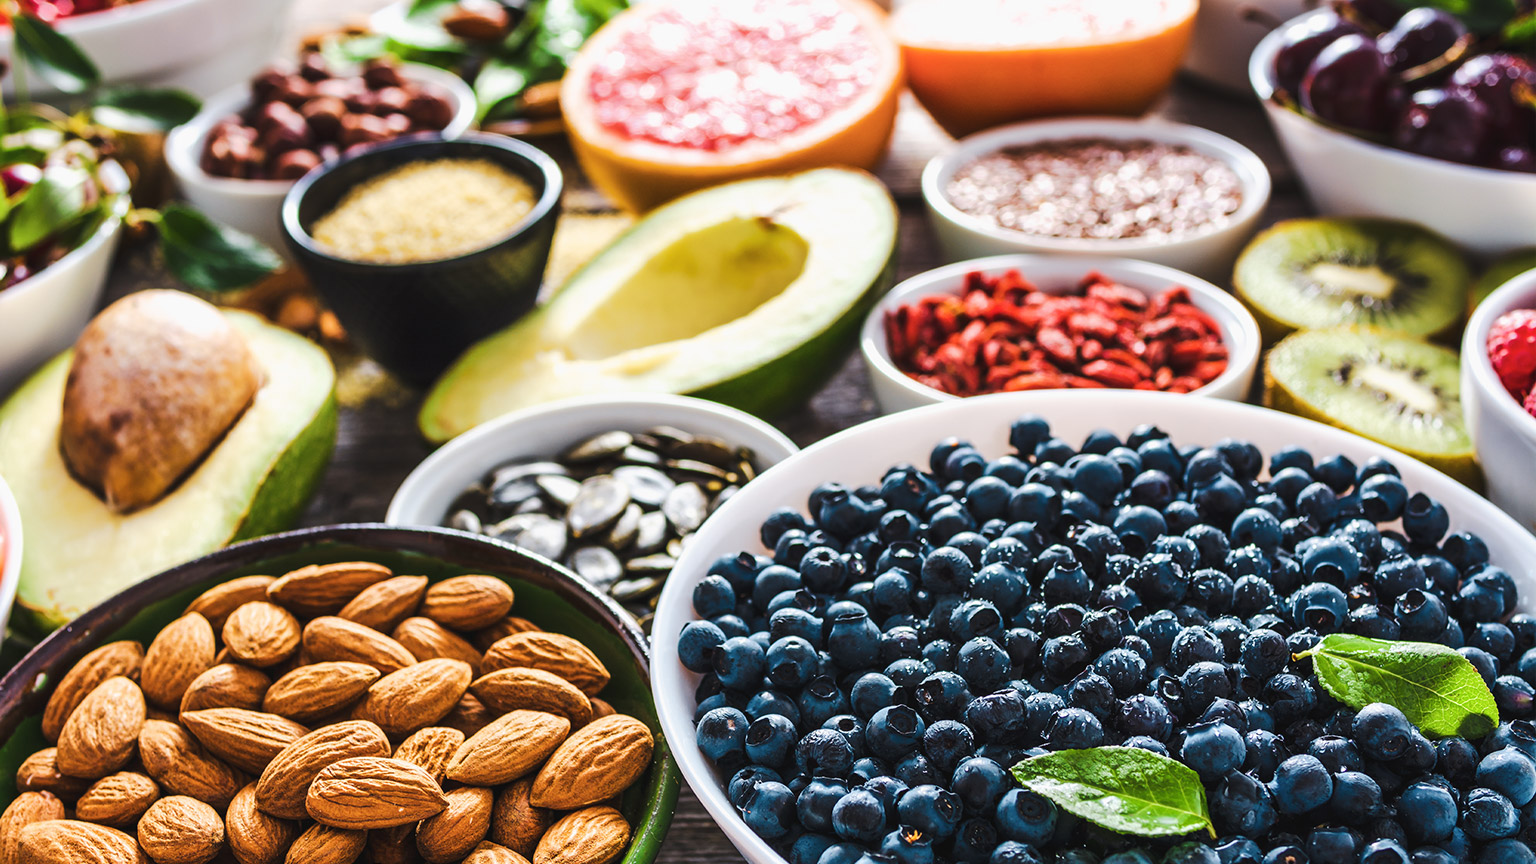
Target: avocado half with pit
point(747, 293)
point(256, 480)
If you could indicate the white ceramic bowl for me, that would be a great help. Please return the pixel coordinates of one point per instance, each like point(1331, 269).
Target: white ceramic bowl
point(1208, 254)
point(1502, 433)
point(255, 206)
point(1058, 274)
point(1226, 32)
point(10, 552)
point(1485, 210)
point(540, 432)
point(862, 454)
point(42, 315)
point(201, 46)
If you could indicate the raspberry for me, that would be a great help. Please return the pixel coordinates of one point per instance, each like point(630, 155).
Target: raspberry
point(1512, 350)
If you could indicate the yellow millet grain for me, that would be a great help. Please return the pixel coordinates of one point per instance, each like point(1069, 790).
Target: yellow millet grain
point(425, 211)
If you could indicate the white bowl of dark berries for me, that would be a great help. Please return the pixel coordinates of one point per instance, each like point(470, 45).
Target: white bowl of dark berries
point(237, 159)
point(1407, 115)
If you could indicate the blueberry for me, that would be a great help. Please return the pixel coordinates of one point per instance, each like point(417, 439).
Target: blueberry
point(1014, 852)
point(742, 782)
point(1382, 731)
point(868, 768)
point(1239, 850)
point(722, 735)
point(841, 853)
point(770, 739)
point(1320, 605)
point(1428, 812)
point(1507, 851)
point(1026, 817)
point(697, 644)
point(1331, 845)
point(1465, 551)
point(1488, 815)
point(1264, 654)
point(1000, 585)
point(1242, 805)
point(821, 699)
point(941, 695)
point(979, 782)
point(1384, 852)
point(1301, 784)
point(946, 743)
point(1073, 729)
point(1144, 714)
point(808, 848)
point(1337, 471)
point(870, 693)
point(1336, 753)
point(769, 809)
point(1514, 696)
point(1123, 669)
point(853, 639)
point(824, 753)
point(792, 662)
point(908, 845)
point(1130, 856)
point(1480, 598)
point(893, 732)
point(1063, 657)
point(859, 817)
point(1356, 798)
point(1256, 527)
point(1383, 497)
point(1193, 645)
point(931, 809)
point(1203, 683)
point(815, 802)
point(1002, 717)
point(1212, 749)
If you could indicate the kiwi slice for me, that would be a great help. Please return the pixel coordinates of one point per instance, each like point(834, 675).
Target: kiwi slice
point(1309, 274)
point(1397, 390)
point(1499, 272)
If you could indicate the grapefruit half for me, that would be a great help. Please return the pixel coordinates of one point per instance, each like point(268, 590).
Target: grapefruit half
point(975, 64)
point(675, 95)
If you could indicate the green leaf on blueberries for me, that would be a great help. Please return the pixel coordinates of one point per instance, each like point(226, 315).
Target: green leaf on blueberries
point(210, 256)
point(1438, 689)
point(58, 198)
point(137, 109)
point(1124, 789)
point(54, 56)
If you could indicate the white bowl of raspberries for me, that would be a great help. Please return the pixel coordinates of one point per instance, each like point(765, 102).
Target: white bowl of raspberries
point(1498, 389)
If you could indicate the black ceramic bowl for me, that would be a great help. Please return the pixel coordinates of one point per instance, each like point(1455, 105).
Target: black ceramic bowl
point(545, 594)
point(416, 318)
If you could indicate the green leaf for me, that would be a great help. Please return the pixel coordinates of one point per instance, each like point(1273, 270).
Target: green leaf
point(1522, 29)
point(1124, 789)
point(135, 109)
point(602, 9)
point(54, 56)
point(1480, 16)
point(58, 198)
point(210, 256)
point(1437, 688)
point(422, 26)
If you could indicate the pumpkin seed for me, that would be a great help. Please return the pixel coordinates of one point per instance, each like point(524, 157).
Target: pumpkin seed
point(651, 533)
point(465, 520)
point(685, 507)
point(646, 485)
point(511, 493)
point(706, 448)
point(669, 436)
point(532, 505)
point(535, 532)
point(518, 470)
point(631, 590)
point(647, 564)
point(633, 455)
point(598, 565)
point(599, 504)
point(623, 531)
point(558, 488)
point(600, 446)
point(700, 470)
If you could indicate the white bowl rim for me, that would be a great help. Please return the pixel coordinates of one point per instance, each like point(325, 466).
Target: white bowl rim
point(1258, 76)
point(873, 346)
point(667, 674)
point(184, 144)
point(1249, 167)
point(421, 480)
point(11, 549)
point(105, 19)
point(1474, 348)
point(103, 234)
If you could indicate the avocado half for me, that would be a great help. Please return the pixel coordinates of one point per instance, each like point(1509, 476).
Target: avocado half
point(257, 480)
point(747, 293)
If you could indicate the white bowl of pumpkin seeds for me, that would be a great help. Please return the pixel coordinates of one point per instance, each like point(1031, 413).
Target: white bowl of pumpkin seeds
point(610, 487)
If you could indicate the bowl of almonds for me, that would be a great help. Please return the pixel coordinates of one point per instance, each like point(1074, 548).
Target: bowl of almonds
point(339, 694)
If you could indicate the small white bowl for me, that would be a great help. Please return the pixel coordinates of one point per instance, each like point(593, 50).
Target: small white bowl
point(10, 551)
point(255, 206)
point(862, 454)
point(543, 431)
point(1483, 209)
point(1502, 433)
point(895, 390)
point(42, 315)
point(1208, 254)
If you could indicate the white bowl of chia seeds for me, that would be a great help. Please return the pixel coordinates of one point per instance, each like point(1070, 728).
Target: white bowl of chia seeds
point(611, 487)
point(1167, 193)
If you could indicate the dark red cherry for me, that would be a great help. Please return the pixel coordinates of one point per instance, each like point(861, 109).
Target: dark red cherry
point(1302, 42)
point(1445, 124)
point(1425, 38)
point(1349, 85)
point(1492, 78)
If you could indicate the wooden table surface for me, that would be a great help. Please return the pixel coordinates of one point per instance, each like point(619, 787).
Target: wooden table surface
point(378, 443)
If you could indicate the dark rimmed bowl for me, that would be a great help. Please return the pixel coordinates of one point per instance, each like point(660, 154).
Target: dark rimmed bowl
point(417, 318)
point(546, 594)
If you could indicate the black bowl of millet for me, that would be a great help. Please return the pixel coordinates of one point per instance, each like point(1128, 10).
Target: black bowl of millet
point(424, 244)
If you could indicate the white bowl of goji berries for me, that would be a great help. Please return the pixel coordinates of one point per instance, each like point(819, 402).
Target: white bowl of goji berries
point(1503, 432)
point(1048, 322)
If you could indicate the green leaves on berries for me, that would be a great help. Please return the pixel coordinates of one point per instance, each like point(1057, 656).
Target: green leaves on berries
point(1434, 686)
point(1124, 789)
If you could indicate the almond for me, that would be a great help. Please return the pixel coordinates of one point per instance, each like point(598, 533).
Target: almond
point(108, 661)
point(332, 638)
point(517, 824)
point(283, 785)
point(182, 651)
point(469, 716)
point(597, 762)
point(508, 748)
point(28, 807)
point(227, 685)
point(490, 853)
point(383, 605)
point(181, 830)
point(248, 740)
point(323, 589)
point(395, 845)
point(117, 799)
point(373, 792)
point(596, 835)
point(40, 773)
point(319, 689)
point(416, 696)
point(322, 844)
point(451, 834)
point(484, 639)
point(426, 640)
point(601, 708)
point(100, 734)
point(181, 766)
point(261, 634)
point(217, 602)
point(253, 836)
point(64, 841)
point(467, 602)
point(534, 689)
point(431, 748)
point(552, 652)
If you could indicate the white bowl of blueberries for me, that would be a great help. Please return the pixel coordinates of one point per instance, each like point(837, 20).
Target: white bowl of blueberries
point(1070, 580)
point(1406, 115)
